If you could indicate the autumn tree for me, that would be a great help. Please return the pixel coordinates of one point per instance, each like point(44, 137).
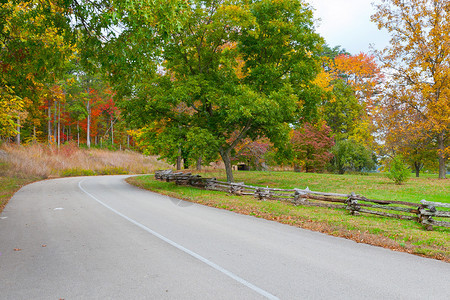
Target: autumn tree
point(331, 53)
point(38, 50)
point(311, 147)
point(361, 72)
point(349, 84)
point(401, 136)
point(253, 152)
point(418, 58)
point(363, 76)
point(89, 96)
point(342, 111)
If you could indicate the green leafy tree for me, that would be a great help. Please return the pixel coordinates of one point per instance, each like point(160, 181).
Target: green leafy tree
point(198, 147)
point(342, 111)
point(349, 155)
point(232, 69)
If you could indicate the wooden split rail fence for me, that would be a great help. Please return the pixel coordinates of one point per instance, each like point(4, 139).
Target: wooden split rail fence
point(427, 213)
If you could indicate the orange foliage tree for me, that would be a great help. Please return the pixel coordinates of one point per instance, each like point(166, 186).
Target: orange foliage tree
point(361, 72)
point(350, 84)
point(419, 59)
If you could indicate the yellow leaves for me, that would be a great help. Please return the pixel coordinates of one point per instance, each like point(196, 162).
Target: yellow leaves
point(30, 76)
point(323, 80)
point(362, 134)
point(57, 93)
point(135, 133)
point(10, 106)
point(239, 68)
point(333, 99)
point(233, 15)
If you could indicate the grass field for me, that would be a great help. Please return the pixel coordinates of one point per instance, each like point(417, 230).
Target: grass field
point(374, 185)
point(400, 235)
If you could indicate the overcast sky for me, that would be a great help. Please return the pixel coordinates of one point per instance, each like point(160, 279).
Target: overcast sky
point(347, 23)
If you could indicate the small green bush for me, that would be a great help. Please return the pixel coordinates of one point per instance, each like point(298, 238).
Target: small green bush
point(77, 172)
point(399, 172)
point(112, 171)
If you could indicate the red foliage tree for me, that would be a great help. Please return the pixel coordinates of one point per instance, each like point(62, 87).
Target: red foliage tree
point(253, 152)
point(311, 147)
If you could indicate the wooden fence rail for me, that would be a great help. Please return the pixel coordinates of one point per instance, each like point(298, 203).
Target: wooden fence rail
point(424, 212)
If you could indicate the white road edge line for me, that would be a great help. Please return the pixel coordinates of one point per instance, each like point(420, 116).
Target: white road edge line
point(185, 250)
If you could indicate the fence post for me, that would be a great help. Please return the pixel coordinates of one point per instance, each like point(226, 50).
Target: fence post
point(299, 197)
point(423, 218)
point(210, 184)
point(352, 205)
point(260, 193)
point(236, 188)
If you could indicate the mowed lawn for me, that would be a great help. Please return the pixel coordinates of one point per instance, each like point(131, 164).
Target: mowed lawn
point(400, 235)
point(372, 186)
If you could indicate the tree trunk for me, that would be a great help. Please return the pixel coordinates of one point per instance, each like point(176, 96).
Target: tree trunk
point(88, 127)
point(49, 124)
point(55, 123)
point(18, 131)
point(441, 154)
point(417, 167)
point(225, 154)
point(199, 163)
point(59, 124)
point(112, 132)
point(179, 159)
point(34, 134)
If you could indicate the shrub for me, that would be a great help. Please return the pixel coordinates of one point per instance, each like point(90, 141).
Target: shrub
point(399, 172)
point(112, 171)
point(77, 172)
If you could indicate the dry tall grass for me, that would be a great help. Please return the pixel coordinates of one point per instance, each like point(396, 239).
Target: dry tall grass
point(45, 161)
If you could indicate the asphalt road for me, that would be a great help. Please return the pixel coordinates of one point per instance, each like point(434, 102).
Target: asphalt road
point(98, 237)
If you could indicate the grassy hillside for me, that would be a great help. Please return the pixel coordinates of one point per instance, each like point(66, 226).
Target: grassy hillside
point(20, 165)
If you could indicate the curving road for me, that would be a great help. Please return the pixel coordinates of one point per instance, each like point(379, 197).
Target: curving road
point(98, 237)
